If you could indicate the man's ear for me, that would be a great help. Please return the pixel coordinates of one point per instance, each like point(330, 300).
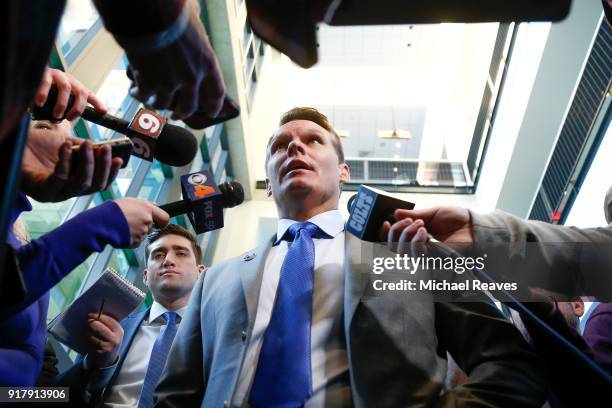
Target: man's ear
point(144, 276)
point(578, 306)
point(201, 268)
point(345, 173)
point(268, 187)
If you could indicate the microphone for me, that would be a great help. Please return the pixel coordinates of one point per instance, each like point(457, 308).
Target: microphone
point(368, 209)
point(151, 135)
point(203, 201)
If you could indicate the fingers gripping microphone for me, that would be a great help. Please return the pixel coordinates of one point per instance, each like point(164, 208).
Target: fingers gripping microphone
point(368, 209)
point(151, 135)
point(203, 201)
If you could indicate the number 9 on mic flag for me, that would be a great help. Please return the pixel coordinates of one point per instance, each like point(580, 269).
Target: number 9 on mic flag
point(146, 126)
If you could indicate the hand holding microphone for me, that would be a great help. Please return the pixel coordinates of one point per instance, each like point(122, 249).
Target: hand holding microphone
point(203, 201)
point(141, 216)
point(151, 136)
point(66, 85)
point(56, 166)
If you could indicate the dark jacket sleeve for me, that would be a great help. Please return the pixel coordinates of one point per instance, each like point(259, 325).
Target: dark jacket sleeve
point(568, 260)
point(49, 368)
point(561, 361)
point(139, 17)
point(22, 346)
point(502, 369)
point(75, 378)
point(47, 260)
point(598, 335)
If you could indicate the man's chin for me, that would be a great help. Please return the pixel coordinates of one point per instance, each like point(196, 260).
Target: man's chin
point(170, 289)
point(298, 186)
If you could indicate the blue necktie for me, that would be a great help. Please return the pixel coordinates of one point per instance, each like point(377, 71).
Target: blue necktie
point(157, 360)
point(284, 377)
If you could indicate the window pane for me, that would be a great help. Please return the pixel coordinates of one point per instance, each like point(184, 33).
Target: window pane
point(78, 18)
point(125, 177)
point(152, 183)
point(114, 93)
point(403, 95)
point(66, 291)
point(587, 210)
point(45, 216)
point(119, 262)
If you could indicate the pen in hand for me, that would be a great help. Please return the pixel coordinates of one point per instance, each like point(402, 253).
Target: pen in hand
point(101, 307)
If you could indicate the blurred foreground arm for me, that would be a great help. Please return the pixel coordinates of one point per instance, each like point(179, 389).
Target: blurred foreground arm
point(174, 65)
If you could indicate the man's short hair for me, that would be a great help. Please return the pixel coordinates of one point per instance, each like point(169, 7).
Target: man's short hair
point(313, 115)
point(173, 229)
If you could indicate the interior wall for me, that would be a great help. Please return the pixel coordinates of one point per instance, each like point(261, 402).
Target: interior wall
point(546, 62)
point(562, 62)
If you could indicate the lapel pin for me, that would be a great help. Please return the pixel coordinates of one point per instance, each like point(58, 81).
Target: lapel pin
point(249, 257)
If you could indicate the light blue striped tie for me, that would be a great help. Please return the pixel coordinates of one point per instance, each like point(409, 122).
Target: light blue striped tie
point(157, 360)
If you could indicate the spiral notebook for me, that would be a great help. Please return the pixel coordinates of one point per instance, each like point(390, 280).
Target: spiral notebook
point(113, 293)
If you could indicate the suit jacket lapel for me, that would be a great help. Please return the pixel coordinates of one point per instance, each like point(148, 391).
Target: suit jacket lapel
point(130, 325)
point(252, 266)
point(355, 280)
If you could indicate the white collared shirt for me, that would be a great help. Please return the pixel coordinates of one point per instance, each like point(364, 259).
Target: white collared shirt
point(328, 350)
point(129, 381)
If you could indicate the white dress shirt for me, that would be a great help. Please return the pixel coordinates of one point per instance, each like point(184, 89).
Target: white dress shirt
point(328, 350)
point(128, 383)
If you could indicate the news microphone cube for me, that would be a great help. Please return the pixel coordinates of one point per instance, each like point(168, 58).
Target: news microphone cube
point(201, 191)
point(370, 208)
point(145, 127)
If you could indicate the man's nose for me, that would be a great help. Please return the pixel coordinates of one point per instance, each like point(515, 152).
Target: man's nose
point(295, 147)
point(168, 259)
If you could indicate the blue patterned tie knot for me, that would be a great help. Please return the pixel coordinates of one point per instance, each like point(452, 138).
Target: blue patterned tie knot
point(283, 377)
point(309, 228)
point(157, 361)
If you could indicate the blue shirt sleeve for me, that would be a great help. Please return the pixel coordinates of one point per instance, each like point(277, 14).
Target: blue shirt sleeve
point(47, 260)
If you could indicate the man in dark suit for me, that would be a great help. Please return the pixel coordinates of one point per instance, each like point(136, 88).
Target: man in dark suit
point(126, 359)
point(298, 324)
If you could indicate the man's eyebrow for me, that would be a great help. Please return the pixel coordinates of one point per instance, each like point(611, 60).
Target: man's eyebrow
point(181, 247)
point(276, 137)
point(310, 132)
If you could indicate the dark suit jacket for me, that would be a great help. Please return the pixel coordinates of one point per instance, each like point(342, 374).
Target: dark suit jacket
point(77, 377)
point(568, 372)
point(396, 343)
point(598, 335)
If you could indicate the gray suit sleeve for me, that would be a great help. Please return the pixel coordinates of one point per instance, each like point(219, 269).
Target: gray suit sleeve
point(568, 260)
point(183, 383)
point(503, 371)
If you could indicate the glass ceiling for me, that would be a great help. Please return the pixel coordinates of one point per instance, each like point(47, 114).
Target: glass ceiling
point(406, 99)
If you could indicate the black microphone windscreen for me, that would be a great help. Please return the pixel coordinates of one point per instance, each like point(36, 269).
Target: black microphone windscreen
point(176, 146)
point(233, 193)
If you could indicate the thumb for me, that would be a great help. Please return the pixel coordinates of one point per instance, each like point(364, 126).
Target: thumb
point(384, 231)
point(62, 168)
point(160, 217)
point(425, 214)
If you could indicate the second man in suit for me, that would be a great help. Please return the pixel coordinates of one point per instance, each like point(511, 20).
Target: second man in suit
point(126, 359)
